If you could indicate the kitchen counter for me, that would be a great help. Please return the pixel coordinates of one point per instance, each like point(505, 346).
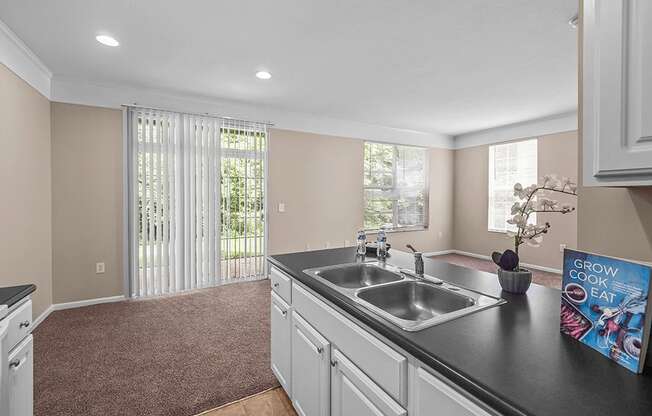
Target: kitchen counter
point(511, 357)
point(13, 294)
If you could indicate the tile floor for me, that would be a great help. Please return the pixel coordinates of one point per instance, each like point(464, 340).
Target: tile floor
point(269, 403)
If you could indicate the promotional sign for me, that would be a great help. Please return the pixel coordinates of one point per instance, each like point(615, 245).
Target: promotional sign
point(604, 303)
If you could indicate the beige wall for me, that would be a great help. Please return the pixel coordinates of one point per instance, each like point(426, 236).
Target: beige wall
point(25, 225)
point(557, 153)
point(616, 222)
point(319, 179)
point(86, 201)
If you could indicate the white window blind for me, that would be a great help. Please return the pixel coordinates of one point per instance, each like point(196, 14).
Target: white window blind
point(508, 164)
point(395, 186)
point(196, 194)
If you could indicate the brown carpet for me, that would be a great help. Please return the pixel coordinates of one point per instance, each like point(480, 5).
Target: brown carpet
point(171, 356)
point(542, 278)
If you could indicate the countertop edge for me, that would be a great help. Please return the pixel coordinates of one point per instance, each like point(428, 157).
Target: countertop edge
point(20, 295)
point(482, 393)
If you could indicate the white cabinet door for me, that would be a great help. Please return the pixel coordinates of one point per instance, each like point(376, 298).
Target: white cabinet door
point(433, 397)
point(281, 348)
point(20, 386)
point(310, 369)
point(4, 367)
point(353, 393)
point(617, 92)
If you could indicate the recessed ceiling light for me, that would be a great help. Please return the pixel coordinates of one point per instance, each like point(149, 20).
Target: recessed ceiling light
point(107, 40)
point(263, 75)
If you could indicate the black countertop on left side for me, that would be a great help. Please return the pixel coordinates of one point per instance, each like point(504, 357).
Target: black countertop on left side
point(13, 294)
point(512, 357)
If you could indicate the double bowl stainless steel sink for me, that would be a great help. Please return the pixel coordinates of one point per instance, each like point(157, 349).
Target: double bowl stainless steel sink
point(397, 295)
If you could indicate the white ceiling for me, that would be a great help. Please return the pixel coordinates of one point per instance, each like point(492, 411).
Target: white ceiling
point(441, 66)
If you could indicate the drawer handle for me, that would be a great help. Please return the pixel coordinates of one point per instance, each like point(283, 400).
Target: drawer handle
point(276, 284)
point(24, 324)
point(15, 364)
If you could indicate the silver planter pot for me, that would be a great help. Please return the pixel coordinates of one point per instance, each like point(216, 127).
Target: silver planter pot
point(515, 282)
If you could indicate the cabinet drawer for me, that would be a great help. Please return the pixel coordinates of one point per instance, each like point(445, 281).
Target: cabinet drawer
point(432, 393)
point(385, 366)
point(353, 393)
point(281, 284)
point(19, 324)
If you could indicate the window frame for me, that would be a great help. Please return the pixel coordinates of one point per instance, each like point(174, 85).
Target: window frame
point(426, 190)
point(491, 162)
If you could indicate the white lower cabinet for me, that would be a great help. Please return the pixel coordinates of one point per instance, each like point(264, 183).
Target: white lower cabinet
point(353, 393)
point(330, 365)
point(20, 377)
point(433, 397)
point(281, 348)
point(310, 369)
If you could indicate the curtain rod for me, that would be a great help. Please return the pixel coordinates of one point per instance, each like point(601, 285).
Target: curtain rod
point(142, 107)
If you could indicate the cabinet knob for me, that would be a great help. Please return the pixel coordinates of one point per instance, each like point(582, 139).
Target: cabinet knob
point(276, 284)
point(284, 313)
point(333, 363)
point(24, 324)
point(320, 349)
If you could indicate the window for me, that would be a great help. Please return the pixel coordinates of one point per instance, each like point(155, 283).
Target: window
point(395, 192)
point(509, 163)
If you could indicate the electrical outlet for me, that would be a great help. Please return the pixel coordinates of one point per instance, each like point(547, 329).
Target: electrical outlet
point(99, 268)
point(441, 234)
point(347, 243)
point(327, 245)
point(562, 247)
point(307, 246)
point(281, 207)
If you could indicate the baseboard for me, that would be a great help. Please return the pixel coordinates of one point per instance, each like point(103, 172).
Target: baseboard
point(482, 256)
point(75, 304)
point(42, 316)
point(87, 302)
point(437, 253)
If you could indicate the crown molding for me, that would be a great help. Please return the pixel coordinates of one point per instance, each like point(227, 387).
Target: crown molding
point(557, 123)
point(20, 59)
point(84, 92)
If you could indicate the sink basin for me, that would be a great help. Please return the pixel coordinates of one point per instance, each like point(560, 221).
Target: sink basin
point(400, 297)
point(415, 301)
point(354, 276)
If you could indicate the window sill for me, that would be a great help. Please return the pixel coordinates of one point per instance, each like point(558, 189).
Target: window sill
point(491, 230)
point(399, 230)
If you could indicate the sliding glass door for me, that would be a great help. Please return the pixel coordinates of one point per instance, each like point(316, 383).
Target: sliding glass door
point(243, 202)
point(196, 201)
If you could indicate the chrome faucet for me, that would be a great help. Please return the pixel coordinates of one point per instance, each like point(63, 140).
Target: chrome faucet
point(418, 261)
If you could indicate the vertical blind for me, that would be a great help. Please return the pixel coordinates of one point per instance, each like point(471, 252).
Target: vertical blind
point(181, 201)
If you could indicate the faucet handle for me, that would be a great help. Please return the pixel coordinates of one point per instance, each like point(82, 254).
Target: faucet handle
point(411, 248)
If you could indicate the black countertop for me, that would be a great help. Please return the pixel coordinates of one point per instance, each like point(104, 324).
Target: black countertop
point(12, 295)
point(512, 357)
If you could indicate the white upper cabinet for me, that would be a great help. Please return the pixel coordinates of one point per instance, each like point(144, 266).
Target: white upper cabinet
point(617, 92)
